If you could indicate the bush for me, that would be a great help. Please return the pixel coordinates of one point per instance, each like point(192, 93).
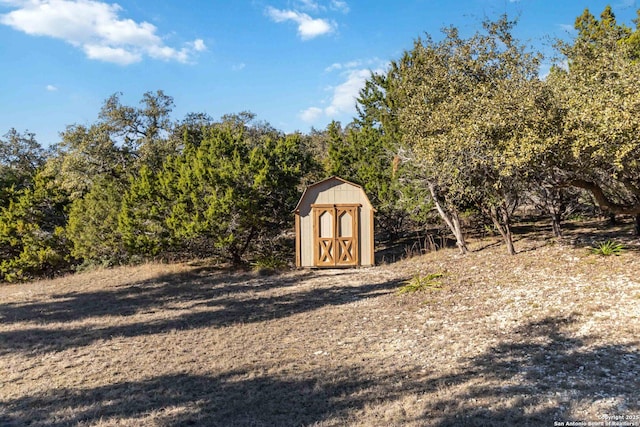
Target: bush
point(268, 264)
point(608, 248)
point(33, 242)
point(420, 282)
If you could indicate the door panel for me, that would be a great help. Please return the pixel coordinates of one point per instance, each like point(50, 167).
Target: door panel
point(325, 224)
point(335, 235)
point(346, 236)
point(324, 242)
point(345, 223)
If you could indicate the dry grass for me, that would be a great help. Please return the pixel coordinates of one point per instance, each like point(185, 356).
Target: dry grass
point(548, 335)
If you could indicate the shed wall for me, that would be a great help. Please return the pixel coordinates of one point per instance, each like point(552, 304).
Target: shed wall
point(327, 193)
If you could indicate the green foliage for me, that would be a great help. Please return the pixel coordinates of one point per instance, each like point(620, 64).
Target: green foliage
point(32, 237)
point(420, 283)
point(592, 31)
point(608, 248)
point(142, 131)
point(141, 220)
point(190, 130)
point(116, 146)
point(93, 225)
point(633, 40)
point(364, 154)
point(236, 188)
point(598, 148)
point(473, 114)
point(398, 196)
point(269, 264)
point(20, 158)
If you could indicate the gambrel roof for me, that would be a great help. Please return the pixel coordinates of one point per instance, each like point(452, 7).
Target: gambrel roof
point(327, 183)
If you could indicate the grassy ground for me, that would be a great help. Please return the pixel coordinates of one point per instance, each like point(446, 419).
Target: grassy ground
point(551, 334)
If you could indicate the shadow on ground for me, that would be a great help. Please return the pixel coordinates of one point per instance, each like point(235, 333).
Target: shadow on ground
point(545, 365)
point(515, 381)
point(210, 299)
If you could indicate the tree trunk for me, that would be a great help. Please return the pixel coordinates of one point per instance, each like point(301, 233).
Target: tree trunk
point(636, 225)
point(503, 227)
point(236, 259)
point(238, 253)
point(451, 219)
point(603, 202)
point(556, 220)
point(457, 232)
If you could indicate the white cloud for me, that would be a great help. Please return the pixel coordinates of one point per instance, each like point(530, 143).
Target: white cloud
point(308, 27)
point(117, 55)
point(309, 5)
point(345, 94)
point(51, 88)
point(238, 67)
point(96, 28)
point(569, 28)
point(348, 65)
point(333, 67)
point(198, 45)
point(311, 114)
point(342, 101)
point(340, 6)
point(316, 6)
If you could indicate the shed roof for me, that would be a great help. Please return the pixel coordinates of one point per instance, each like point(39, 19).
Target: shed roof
point(338, 181)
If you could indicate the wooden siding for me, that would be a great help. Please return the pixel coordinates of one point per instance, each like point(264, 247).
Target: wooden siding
point(333, 192)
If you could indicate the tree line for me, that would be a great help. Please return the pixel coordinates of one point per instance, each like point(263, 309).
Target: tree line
point(455, 125)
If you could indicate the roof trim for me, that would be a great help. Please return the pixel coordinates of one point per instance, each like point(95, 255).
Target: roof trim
point(304, 193)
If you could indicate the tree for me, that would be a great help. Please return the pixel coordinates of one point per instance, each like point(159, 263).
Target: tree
point(235, 189)
point(143, 212)
point(32, 211)
point(591, 31)
point(142, 131)
point(20, 158)
point(474, 114)
point(190, 130)
point(95, 165)
point(364, 154)
point(600, 93)
point(122, 140)
point(86, 155)
point(558, 201)
point(93, 225)
point(32, 237)
point(633, 41)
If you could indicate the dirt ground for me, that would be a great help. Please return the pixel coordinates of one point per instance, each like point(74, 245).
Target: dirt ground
point(546, 337)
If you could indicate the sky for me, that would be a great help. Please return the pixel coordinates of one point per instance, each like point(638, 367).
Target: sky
point(296, 64)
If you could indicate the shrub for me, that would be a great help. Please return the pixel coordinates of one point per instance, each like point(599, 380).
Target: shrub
point(420, 282)
point(608, 248)
point(268, 264)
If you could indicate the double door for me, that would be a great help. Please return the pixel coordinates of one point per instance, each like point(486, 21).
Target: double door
point(335, 241)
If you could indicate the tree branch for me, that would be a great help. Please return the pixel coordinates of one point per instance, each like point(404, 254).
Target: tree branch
point(602, 199)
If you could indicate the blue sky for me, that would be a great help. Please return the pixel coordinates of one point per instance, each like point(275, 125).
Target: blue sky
point(294, 63)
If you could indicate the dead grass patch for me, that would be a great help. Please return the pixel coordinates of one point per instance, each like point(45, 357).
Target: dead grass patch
point(548, 335)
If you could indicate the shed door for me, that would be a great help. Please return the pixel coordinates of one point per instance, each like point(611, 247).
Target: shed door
point(335, 238)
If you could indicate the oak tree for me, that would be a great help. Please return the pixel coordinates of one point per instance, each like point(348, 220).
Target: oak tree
point(597, 84)
point(473, 114)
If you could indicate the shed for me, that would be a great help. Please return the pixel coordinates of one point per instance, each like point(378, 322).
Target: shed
point(334, 225)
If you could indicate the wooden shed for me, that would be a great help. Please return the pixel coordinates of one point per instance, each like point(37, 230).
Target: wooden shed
point(334, 225)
